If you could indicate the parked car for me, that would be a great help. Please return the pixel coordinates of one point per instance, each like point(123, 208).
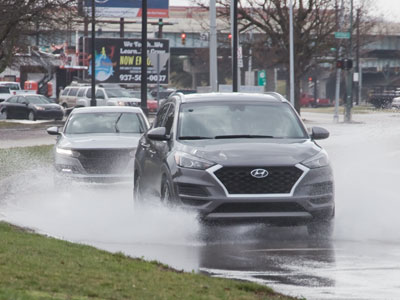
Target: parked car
point(396, 103)
point(32, 107)
point(237, 158)
point(98, 144)
point(152, 104)
point(106, 95)
point(5, 93)
point(309, 101)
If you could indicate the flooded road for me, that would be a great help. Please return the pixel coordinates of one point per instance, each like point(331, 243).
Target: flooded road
point(362, 261)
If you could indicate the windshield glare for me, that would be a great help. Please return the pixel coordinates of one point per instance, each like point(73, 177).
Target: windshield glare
point(105, 123)
point(210, 120)
point(117, 93)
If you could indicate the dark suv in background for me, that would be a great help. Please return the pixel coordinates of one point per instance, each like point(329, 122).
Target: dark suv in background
point(237, 158)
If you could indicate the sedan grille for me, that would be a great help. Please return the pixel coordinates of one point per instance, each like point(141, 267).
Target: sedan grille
point(105, 161)
point(238, 180)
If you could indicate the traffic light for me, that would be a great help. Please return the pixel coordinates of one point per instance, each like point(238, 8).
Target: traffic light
point(160, 28)
point(310, 79)
point(344, 64)
point(183, 38)
point(230, 36)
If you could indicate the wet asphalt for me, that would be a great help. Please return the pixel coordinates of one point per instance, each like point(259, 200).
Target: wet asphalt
point(361, 261)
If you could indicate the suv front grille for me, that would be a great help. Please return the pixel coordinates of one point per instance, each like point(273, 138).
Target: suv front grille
point(238, 180)
point(105, 161)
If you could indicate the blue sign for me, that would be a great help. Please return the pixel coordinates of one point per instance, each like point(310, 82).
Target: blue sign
point(128, 8)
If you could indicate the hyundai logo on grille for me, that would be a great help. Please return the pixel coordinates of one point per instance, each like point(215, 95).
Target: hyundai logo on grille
point(259, 173)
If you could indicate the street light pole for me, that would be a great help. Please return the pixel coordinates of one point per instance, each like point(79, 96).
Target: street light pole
point(143, 103)
point(349, 98)
point(291, 53)
point(213, 47)
point(235, 47)
point(93, 77)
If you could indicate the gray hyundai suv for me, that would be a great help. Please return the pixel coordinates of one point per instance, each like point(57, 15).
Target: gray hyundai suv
point(237, 158)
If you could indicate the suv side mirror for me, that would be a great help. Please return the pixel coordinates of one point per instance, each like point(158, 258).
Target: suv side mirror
point(53, 130)
point(158, 134)
point(319, 133)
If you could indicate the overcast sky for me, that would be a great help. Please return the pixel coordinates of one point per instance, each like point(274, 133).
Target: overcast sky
point(389, 8)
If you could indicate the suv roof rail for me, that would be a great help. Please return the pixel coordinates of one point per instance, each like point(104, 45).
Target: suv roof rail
point(276, 95)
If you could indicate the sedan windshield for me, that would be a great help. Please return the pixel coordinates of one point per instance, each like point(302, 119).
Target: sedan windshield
point(118, 93)
point(114, 122)
point(222, 120)
point(37, 100)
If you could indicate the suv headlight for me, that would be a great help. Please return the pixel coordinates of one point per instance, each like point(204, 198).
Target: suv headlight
point(319, 160)
point(67, 152)
point(186, 160)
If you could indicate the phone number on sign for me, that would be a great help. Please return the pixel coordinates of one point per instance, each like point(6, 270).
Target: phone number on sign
point(138, 77)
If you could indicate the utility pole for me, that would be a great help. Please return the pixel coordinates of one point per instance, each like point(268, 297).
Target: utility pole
point(93, 99)
point(213, 47)
point(143, 103)
point(349, 94)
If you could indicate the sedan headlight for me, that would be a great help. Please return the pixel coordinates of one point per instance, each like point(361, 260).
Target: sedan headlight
point(39, 107)
point(319, 160)
point(121, 103)
point(67, 152)
point(186, 160)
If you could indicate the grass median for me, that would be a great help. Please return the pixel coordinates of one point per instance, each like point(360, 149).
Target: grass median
point(37, 267)
point(20, 159)
point(33, 266)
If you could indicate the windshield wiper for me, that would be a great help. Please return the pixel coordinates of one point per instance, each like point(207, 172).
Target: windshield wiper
point(239, 136)
point(116, 123)
point(194, 137)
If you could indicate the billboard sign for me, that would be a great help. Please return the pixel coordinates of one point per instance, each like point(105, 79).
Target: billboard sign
point(127, 8)
point(119, 60)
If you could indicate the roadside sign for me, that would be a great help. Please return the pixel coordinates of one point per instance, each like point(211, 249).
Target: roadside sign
point(342, 35)
point(119, 60)
point(158, 60)
point(240, 57)
point(127, 9)
point(262, 78)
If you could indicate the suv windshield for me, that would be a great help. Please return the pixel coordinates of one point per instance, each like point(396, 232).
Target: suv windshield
point(4, 90)
point(238, 120)
point(12, 86)
point(114, 122)
point(117, 93)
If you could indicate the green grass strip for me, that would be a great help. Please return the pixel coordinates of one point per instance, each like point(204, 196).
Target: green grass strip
point(20, 159)
point(37, 267)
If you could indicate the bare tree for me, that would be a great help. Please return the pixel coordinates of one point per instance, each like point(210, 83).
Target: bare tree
point(315, 22)
point(22, 19)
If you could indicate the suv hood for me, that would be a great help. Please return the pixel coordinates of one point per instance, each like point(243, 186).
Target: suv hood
point(252, 152)
point(99, 141)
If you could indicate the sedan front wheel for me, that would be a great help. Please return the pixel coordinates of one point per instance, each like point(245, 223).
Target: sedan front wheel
point(31, 116)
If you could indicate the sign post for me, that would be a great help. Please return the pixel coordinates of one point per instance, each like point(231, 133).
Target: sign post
point(158, 60)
